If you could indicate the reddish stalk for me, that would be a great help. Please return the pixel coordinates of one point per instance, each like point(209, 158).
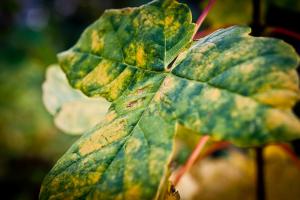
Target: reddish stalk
point(291, 153)
point(208, 31)
point(198, 24)
point(195, 154)
point(284, 31)
point(213, 148)
point(191, 160)
point(203, 15)
point(203, 33)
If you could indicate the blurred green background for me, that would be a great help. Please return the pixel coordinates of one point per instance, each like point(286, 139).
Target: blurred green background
point(33, 31)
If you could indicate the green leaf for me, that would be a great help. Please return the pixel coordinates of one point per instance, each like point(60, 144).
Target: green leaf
point(229, 85)
point(236, 87)
point(124, 41)
point(74, 112)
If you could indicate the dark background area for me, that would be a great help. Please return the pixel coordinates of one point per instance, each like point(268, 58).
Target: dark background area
point(33, 31)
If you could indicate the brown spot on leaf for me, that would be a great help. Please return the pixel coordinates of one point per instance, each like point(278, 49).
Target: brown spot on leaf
point(132, 103)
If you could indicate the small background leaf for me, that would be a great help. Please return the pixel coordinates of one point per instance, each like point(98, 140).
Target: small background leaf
point(74, 112)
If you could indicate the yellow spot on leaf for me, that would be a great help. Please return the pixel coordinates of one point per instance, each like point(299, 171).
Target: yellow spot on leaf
point(247, 69)
point(134, 192)
point(284, 80)
point(140, 56)
point(284, 119)
point(70, 56)
point(243, 103)
point(212, 94)
point(274, 151)
point(135, 23)
point(97, 42)
point(172, 29)
point(279, 98)
point(133, 145)
point(106, 135)
point(110, 116)
point(118, 84)
point(93, 177)
point(99, 75)
point(169, 20)
point(89, 146)
point(167, 85)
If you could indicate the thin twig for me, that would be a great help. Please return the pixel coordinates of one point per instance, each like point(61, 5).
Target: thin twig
point(203, 15)
point(213, 148)
point(191, 160)
point(284, 31)
point(203, 33)
point(198, 24)
point(289, 151)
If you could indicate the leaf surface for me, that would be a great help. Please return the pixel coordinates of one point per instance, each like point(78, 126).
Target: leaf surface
point(124, 41)
point(229, 85)
point(236, 87)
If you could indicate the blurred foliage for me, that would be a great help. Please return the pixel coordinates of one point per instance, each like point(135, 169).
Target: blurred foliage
point(291, 5)
point(33, 31)
point(232, 177)
point(29, 142)
point(224, 15)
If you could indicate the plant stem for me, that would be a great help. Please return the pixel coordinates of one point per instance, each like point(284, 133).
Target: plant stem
point(191, 160)
point(288, 150)
point(256, 18)
point(203, 15)
point(256, 12)
point(198, 24)
point(213, 148)
point(260, 182)
point(284, 31)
